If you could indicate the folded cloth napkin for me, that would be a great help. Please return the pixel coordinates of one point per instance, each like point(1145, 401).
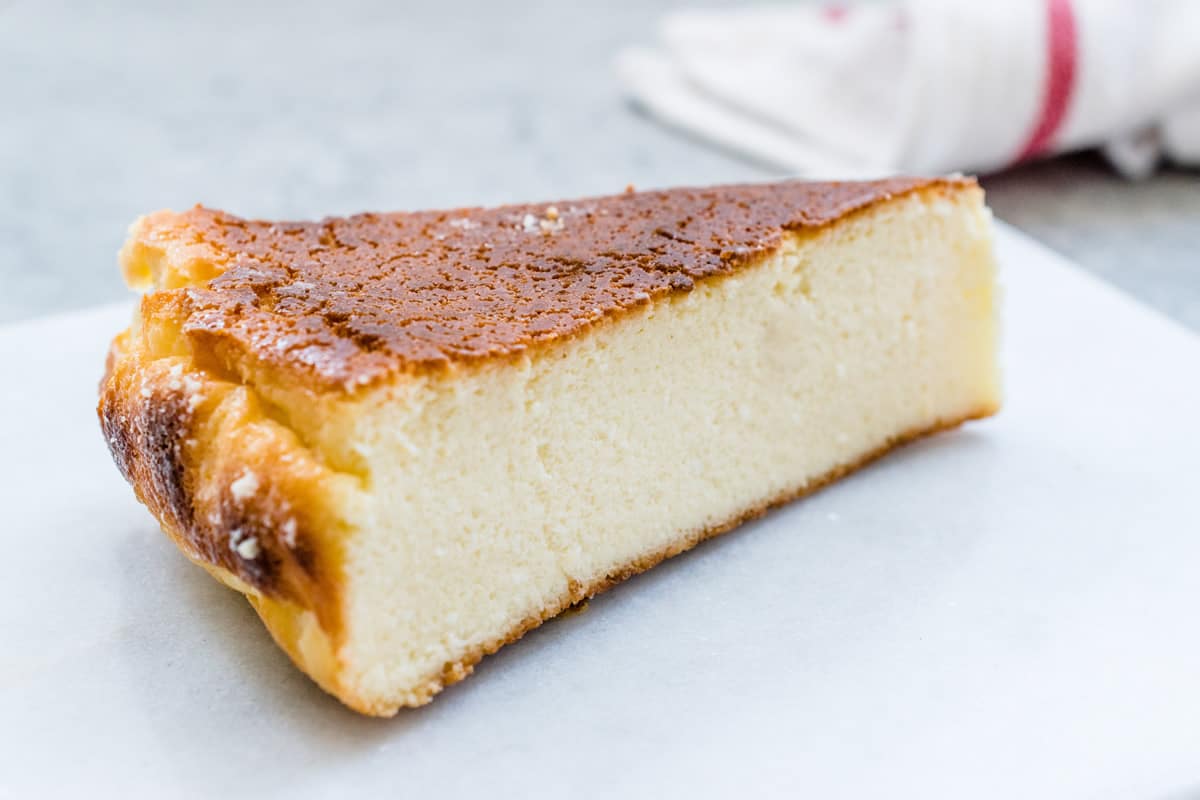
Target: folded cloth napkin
point(930, 86)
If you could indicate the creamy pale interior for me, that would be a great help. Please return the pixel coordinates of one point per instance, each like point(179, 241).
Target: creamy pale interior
point(491, 492)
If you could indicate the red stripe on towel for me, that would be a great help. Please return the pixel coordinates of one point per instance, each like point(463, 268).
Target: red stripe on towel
point(835, 13)
point(1062, 62)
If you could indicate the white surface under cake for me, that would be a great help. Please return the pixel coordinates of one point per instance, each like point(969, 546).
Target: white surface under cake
point(1003, 611)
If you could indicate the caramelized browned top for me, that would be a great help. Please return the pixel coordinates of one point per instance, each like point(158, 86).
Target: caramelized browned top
point(346, 301)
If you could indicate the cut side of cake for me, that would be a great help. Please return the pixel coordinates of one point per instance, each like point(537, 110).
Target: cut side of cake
point(409, 438)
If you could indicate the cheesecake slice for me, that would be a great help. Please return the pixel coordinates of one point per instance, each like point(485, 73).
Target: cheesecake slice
point(409, 438)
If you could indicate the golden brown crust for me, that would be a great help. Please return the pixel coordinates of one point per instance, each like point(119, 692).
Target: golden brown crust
point(456, 671)
point(235, 489)
point(344, 302)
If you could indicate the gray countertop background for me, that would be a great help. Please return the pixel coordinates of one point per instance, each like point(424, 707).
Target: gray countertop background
point(308, 108)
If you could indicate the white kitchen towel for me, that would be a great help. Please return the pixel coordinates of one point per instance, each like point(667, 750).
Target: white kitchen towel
point(931, 85)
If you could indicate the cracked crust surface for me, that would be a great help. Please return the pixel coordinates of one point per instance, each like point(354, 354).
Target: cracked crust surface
point(345, 302)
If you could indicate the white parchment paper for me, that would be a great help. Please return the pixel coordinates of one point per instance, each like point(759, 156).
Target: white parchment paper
point(1005, 611)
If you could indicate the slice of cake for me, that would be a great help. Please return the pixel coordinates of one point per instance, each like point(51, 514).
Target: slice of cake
point(410, 438)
